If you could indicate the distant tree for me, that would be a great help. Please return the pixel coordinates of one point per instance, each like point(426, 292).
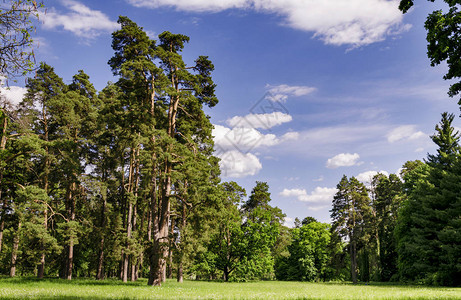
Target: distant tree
point(387, 195)
point(351, 208)
point(227, 246)
point(308, 220)
point(16, 27)
point(444, 40)
point(428, 224)
point(308, 253)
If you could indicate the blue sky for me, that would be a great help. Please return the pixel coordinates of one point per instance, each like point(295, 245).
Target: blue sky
point(309, 90)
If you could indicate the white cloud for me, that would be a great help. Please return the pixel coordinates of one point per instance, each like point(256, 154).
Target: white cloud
point(241, 138)
point(292, 135)
point(293, 193)
point(280, 93)
point(13, 94)
point(336, 22)
point(265, 121)
point(405, 132)
point(321, 178)
point(193, 5)
point(318, 195)
point(81, 20)
point(343, 160)
point(420, 149)
point(288, 222)
point(367, 177)
point(237, 164)
point(317, 208)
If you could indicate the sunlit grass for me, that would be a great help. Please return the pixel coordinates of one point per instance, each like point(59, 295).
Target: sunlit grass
point(25, 288)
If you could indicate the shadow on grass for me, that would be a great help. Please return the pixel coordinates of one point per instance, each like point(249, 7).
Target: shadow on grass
point(66, 298)
point(77, 281)
point(390, 284)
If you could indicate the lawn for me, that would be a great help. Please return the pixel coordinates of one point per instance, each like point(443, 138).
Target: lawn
point(17, 288)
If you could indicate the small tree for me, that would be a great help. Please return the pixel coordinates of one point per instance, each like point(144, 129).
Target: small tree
point(16, 26)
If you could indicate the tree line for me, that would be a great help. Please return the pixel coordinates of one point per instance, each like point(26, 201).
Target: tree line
point(406, 228)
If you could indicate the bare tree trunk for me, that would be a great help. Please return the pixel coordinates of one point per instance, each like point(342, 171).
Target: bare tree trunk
point(4, 203)
point(170, 252)
point(180, 270)
point(70, 259)
point(135, 260)
point(41, 267)
point(182, 230)
point(353, 253)
point(226, 273)
point(2, 215)
point(129, 222)
point(164, 222)
point(14, 252)
point(100, 274)
point(71, 214)
point(128, 234)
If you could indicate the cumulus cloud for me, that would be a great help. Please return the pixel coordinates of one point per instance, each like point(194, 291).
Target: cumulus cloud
point(80, 20)
point(336, 22)
point(318, 195)
point(242, 138)
point(290, 136)
point(264, 121)
point(405, 132)
point(288, 222)
point(343, 160)
point(237, 164)
point(280, 93)
point(367, 177)
point(13, 94)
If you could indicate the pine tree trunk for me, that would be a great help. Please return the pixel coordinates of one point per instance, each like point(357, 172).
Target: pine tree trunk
point(2, 147)
point(129, 221)
point(353, 253)
point(70, 259)
point(180, 270)
point(4, 203)
point(14, 252)
point(182, 229)
point(71, 214)
point(99, 274)
point(2, 216)
point(153, 234)
point(135, 260)
point(170, 252)
point(128, 234)
point(226, 274)
point(41, 267)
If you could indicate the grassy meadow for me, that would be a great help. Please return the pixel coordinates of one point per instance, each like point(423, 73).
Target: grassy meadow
point(28, 288)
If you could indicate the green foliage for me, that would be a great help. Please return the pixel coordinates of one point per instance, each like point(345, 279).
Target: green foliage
point(387, 196)
point(351, 214)
point(16, 27)
point(308, 254)
point(444, 39)
point(244, 239)
point(428, 243)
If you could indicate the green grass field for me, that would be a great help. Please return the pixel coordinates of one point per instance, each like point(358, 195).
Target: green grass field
point(23, 288)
